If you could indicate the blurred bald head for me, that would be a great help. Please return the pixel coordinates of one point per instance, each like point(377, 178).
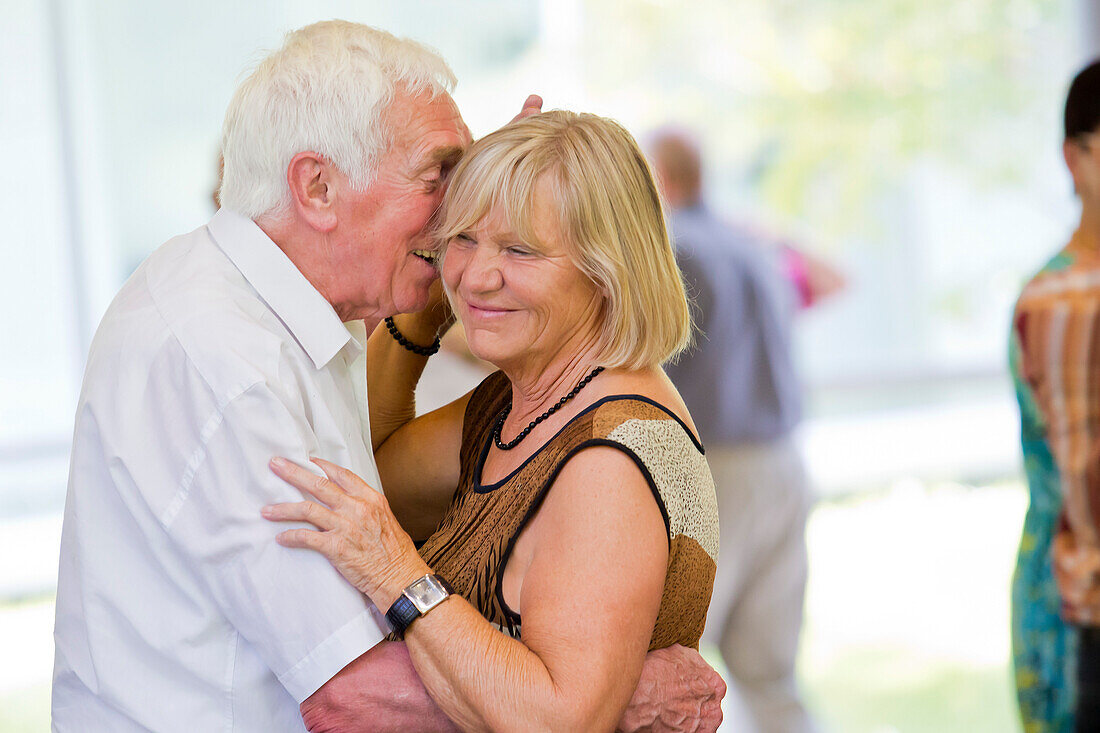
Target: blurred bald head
point(678, 165)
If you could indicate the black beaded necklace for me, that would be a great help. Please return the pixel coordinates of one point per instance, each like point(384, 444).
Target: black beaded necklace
point(527, 430)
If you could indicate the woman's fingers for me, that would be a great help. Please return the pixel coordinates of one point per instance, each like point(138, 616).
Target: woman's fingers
point(303, 511)
point(306, 539)
point(347, 480)
point(532, 106)
point(316, 486)
point(358, 533)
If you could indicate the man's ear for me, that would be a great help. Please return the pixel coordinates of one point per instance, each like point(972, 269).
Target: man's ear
point(312, 191)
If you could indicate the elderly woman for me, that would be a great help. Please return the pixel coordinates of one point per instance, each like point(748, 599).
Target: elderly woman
point(584, 523)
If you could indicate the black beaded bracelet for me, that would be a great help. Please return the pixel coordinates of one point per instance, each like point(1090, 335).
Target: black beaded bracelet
point(399, 338)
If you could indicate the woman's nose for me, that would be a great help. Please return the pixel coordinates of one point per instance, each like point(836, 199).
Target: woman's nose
point(482, 272)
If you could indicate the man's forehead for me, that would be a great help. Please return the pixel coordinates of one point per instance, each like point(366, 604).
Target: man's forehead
point(437, 112)
point(434, 128)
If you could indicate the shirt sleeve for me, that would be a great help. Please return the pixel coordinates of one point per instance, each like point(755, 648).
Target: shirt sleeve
point(291, 605)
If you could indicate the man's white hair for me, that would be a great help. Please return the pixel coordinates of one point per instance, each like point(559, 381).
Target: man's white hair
point(326, 90)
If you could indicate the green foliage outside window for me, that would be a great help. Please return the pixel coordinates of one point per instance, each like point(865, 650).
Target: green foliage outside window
point(822, 105)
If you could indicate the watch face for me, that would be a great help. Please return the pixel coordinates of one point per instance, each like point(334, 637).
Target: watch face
point(425, 593)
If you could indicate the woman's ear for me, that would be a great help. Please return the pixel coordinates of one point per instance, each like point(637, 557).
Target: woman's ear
point(312, 191)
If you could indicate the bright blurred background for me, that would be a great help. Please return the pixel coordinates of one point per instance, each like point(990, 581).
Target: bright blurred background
point(915, 144)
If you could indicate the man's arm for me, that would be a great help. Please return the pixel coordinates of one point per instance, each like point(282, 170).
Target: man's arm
point(295, 611)
point(380, 691)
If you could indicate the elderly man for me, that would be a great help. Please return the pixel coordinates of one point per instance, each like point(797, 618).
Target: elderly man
point(243, 340)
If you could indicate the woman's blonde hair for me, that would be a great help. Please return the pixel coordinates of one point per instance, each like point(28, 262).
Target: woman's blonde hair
point(609, 214)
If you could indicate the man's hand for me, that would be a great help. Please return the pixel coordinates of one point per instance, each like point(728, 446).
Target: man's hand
point(678, 693)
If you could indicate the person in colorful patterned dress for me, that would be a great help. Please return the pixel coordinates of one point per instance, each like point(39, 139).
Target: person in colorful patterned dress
point(1055, 361)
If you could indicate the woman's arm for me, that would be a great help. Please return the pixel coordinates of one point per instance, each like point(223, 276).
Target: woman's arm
point(393, 371)
point(589, 600)
point(419, 466)
point(418, 459)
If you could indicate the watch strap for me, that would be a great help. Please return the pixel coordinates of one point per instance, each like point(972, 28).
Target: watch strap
point(403, 611)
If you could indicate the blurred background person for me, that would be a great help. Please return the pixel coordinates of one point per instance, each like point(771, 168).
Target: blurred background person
point(1055, 361)
point(739, 382)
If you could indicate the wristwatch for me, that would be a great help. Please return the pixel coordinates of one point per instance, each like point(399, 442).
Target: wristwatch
point(419, 597)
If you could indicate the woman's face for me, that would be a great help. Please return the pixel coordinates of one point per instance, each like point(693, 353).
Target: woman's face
point(522, 305)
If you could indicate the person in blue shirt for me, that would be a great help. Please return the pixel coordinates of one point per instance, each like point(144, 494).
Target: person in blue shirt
point(739, 383)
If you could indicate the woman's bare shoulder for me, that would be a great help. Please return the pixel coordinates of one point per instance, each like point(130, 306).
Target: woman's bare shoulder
point(625, 498)
point(653, 384)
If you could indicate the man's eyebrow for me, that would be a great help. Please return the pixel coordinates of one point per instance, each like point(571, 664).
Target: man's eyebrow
point(448, 154)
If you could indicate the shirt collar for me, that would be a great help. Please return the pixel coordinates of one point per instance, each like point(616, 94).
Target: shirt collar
point(310, 318)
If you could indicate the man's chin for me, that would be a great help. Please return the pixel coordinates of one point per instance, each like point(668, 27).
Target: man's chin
point(414, 302)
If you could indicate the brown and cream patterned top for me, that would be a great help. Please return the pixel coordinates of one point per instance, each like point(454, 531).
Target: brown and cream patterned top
point(475, 538)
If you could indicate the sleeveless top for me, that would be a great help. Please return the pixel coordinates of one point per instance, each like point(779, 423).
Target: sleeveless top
point(475, 538)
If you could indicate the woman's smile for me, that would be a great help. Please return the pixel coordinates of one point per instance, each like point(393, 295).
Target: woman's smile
point(486, 311)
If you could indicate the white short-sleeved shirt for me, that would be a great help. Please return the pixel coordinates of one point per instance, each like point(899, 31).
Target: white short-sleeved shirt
point(176, 609)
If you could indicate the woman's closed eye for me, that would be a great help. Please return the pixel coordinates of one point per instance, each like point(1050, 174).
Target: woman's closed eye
point(521, 250)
